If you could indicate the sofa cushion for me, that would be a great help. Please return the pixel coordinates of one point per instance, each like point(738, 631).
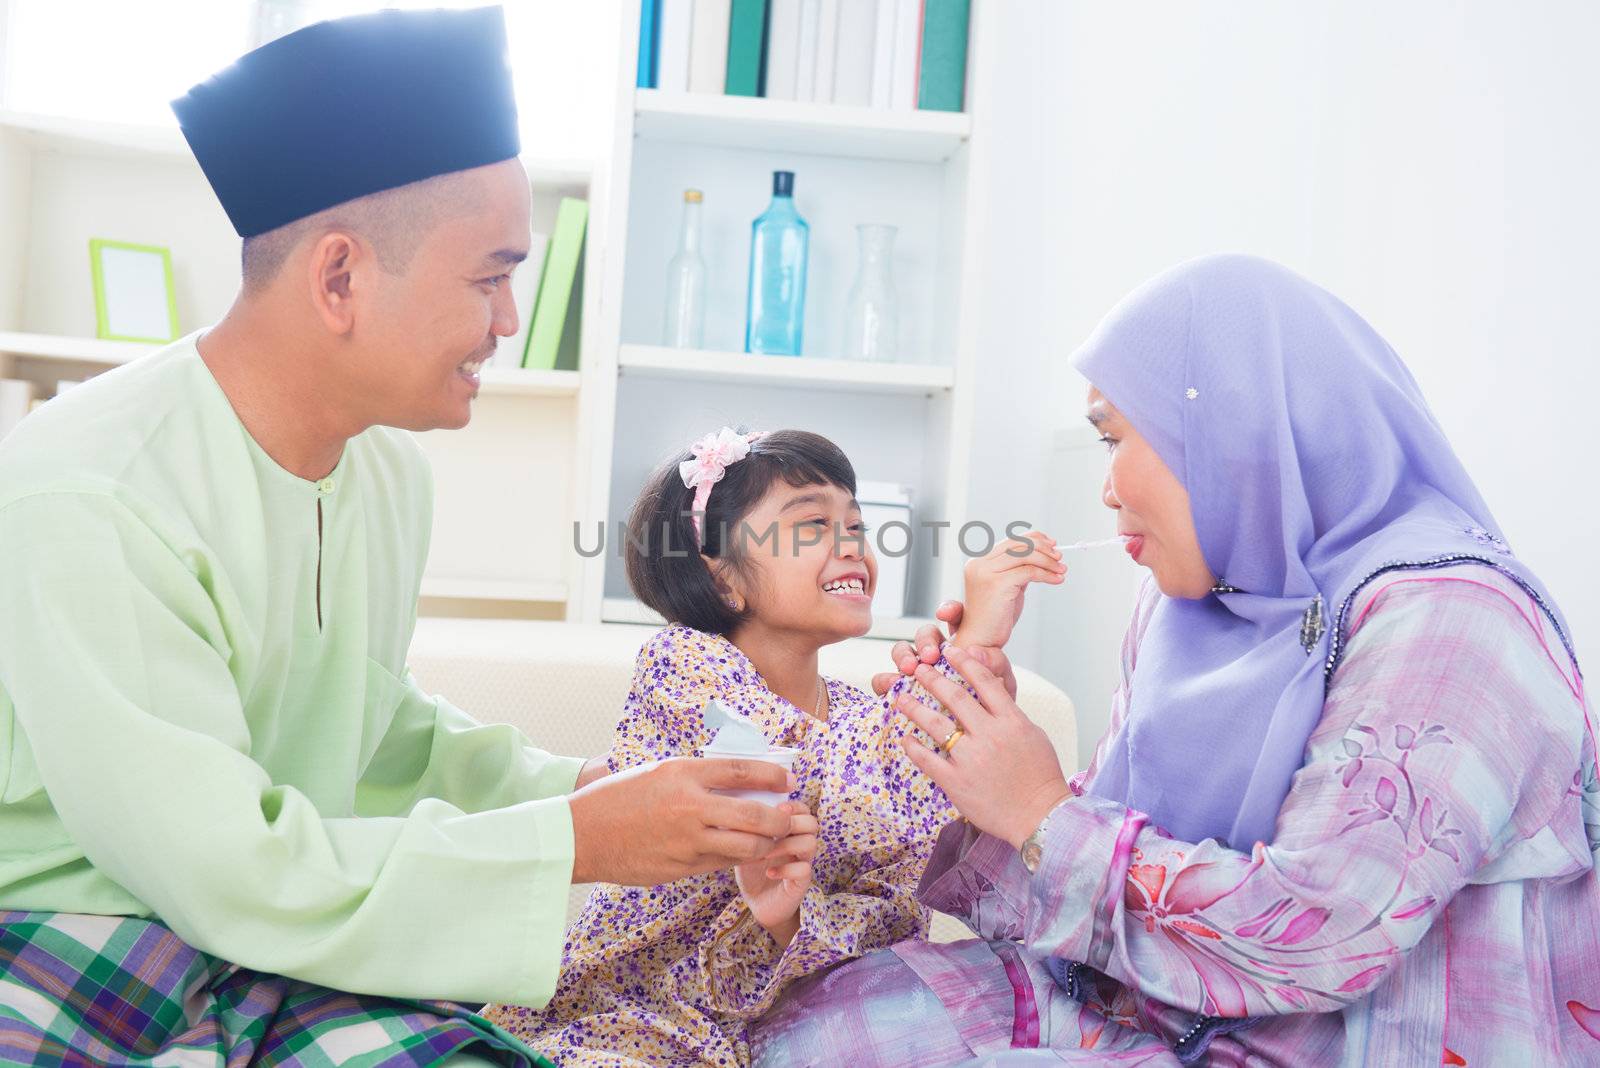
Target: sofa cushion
point(563, 684)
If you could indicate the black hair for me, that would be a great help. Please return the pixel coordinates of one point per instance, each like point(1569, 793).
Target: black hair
point(662, 553)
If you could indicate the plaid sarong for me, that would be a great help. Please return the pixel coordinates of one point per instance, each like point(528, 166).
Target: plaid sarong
point(96, 990)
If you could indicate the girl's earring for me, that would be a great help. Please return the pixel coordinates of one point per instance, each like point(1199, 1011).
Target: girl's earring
point(733, 603)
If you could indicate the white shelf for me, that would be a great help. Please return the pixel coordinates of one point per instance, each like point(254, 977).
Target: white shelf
point(73, 349)
point(498, 381)
point(512, 381)
point(808, 372)
point(65, 134)
point(494, 590)
point(820, 129)
point(86, 135)
point(628, 610)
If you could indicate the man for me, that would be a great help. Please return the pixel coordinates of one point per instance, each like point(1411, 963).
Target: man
point(229, 821)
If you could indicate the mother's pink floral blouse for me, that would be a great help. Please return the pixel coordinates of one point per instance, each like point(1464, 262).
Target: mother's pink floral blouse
point(1430, 896)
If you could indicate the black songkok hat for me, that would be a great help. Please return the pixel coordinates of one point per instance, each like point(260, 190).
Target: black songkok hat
point(349, 107)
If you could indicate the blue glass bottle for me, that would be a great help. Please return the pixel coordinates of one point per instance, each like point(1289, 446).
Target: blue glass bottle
point(779, 240)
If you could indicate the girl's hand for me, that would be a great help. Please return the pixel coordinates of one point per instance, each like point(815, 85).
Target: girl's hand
point(1002, 773)
point(929, 638)
point(774, 887)
point(996, 583)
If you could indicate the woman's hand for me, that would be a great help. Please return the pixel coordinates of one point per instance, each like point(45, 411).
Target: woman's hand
point(774, 886)
point(996, 584)
point(928, 639)
point(1002, 772)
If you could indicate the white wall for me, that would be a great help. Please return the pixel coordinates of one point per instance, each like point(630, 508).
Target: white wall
point(1433, 162)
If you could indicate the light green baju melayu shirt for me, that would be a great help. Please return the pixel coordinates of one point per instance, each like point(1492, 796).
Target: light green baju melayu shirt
point(205, 714)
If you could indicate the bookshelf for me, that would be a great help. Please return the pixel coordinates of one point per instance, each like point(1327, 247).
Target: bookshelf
point(908, 423)
point(551, 454)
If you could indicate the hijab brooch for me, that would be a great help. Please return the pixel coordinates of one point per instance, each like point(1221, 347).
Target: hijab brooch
point(1312, 627)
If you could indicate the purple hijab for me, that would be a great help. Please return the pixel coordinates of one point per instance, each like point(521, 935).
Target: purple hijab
point(1312, 463)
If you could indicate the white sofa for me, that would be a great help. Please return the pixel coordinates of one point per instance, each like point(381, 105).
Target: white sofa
point(563, 685)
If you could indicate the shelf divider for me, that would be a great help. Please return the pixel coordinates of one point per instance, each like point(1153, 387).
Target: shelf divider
point(807, 372)
point(821, 129)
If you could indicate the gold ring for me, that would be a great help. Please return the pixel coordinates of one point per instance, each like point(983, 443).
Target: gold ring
point(951, 739)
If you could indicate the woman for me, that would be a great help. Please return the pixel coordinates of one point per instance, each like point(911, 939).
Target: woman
point(1347, 809)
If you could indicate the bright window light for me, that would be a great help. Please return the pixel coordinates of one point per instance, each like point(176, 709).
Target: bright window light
point(116, 61)
point(120, 61)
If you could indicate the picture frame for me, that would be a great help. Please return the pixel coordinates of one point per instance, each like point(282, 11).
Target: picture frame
point(134, 299)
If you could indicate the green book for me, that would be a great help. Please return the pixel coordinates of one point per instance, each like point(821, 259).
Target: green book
point(747, 41)
point(572, 333)
point(942, 86)
point(556, 285)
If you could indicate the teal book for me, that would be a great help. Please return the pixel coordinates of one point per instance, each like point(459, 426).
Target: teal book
point(649, 42)
point(556, 285)
point(747, 48)
point(942, 86)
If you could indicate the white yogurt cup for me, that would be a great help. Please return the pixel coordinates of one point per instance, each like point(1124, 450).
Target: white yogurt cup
point(779, 755)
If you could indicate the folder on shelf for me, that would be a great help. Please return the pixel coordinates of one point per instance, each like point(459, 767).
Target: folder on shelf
point(649, 42)
point(672, 63)
point(827, 50)
point(907, 54)
point(556, 284)
point(852, 64)
point(708, 52)
point(944, 55)
point(569, 347)
point(883, 54)
point(806, 65)
point(784, 19)
point(747, 41)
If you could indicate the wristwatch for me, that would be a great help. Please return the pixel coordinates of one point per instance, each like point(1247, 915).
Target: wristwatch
point(1033, 846)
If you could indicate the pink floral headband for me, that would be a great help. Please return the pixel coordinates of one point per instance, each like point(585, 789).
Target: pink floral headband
point(712, 456)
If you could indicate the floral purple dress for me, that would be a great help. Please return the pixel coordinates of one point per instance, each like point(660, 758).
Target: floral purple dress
point(1431, 895)
point(673, 975)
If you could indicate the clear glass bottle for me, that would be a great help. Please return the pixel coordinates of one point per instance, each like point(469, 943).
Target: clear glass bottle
point(685, 320)
point(872, 314)
point(779, 239)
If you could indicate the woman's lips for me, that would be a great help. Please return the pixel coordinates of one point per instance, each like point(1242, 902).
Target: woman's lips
point(1134, 546)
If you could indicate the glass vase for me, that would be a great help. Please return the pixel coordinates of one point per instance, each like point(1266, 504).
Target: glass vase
point(872, 313)
point(685, 320)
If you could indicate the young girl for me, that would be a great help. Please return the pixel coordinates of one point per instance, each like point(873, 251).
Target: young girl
point(755, 578)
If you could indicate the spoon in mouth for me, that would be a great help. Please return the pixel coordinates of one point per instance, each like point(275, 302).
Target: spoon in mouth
point(1102, 543)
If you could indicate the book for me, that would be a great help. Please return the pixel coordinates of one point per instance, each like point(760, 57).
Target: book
point(827, 49)
point(524, 292)
point(883, 53)
point(805, 83)
point(672, 62)
point(942, 85)
point(556, 284)
point(783, 49)
point(708, 51)
point(649, 42)
point(907, 53)
point(567, 349)
point(852, 65)
point(747, 48)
